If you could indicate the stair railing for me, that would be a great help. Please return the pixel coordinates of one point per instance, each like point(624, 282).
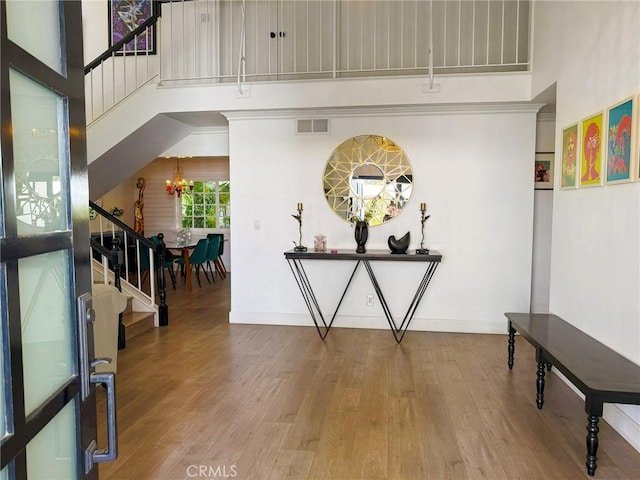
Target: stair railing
point(120, 71)
point(131, 244)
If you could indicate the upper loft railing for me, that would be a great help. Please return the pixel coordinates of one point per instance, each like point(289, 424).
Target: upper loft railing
point(222, 41)
point(301, 39)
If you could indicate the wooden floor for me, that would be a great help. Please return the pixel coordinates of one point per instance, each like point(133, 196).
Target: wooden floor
point(205, 399)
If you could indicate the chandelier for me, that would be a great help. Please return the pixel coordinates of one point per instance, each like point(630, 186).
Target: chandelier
point(179, 184)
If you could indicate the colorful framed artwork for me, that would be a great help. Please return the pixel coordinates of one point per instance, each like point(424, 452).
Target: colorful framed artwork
point(591, 158)
point(619, 142)
point(570, 149)
point(124, 17)
point(637, 139)
point(543, 171)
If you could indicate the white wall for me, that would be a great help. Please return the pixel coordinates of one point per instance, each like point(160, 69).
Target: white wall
point(123, 197)
point(202, 142)
point(473, 169)
point(595, 270)
point(95, 28)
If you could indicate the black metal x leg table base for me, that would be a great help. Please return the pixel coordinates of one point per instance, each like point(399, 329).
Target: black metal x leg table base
point(321, 324)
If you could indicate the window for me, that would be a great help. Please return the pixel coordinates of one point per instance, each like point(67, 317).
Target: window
point(207, 206)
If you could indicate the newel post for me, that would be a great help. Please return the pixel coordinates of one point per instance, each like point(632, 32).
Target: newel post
point(116, 261)
point(163, 309)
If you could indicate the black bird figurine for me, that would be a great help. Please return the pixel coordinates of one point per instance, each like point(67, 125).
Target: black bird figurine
point(400, 245)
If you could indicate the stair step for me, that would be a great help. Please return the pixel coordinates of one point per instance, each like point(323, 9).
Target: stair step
point(136, 323)
point(129, 308)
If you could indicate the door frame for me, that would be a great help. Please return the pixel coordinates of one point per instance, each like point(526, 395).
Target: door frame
point(70, 86)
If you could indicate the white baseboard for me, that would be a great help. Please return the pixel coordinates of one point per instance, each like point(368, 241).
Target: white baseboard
point(375, 322)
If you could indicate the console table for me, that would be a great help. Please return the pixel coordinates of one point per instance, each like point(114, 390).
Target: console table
point(295, 260)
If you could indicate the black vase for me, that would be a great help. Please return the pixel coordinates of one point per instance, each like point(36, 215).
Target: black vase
point(400, 245)
point(361, 234)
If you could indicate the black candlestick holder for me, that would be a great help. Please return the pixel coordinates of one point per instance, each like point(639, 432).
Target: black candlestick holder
point(423, 218)
point(299, 247)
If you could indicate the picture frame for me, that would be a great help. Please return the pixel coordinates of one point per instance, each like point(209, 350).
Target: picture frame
point(591, 144)
point(620, 136)
point(543, 170)
point(636, 141)
point(570, 154)
point(124, 17)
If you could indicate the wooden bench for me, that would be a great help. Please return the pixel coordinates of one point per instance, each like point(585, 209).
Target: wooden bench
point(601, 374)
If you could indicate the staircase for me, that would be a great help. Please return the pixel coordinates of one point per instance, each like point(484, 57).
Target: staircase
point(117, 260)
point(136, 323)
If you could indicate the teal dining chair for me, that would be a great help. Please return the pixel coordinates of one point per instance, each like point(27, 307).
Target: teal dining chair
point(213, 255)
point(198, 259)
point(145, 265)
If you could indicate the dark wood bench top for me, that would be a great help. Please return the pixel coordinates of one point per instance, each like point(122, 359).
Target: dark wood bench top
point(587, 363)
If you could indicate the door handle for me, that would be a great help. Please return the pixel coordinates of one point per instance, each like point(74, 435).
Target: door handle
point(108, 379)
point(100, 361)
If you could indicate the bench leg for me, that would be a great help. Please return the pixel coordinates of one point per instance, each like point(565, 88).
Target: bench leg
point(592, 443)
point(512, 345)
point(540, 385)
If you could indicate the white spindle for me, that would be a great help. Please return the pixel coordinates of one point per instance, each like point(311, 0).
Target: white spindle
point(361, 39)
point(488, 25)
point(335, 38)
point(415, 35)
point(152, 276)
point(388, 36)
point(171, 50)
point(517, 31)
point(402, 34)
point(431, 40)
point(91, 97)
point(502, 38)
point(459, 30)
point(444, 37)
point(473, 35)
point(113, 79)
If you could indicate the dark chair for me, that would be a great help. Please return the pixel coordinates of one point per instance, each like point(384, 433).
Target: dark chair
point(216, 257)
point(212, 252)
point(145, 265)
point(169, 259)
point(198, 258)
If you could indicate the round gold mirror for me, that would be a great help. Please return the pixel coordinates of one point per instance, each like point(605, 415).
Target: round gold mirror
point(368, 178)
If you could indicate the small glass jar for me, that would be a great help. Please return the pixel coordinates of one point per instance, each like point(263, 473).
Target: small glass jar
point(319, 243)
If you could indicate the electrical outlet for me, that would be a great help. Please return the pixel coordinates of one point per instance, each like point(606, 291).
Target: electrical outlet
point(369, 300)
point(256, 224)
point(204, 17)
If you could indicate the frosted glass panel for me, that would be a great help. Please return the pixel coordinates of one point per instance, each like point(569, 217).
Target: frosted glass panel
point(47, 325)
point(39, 145)
point(51, 455)
point(35, 26)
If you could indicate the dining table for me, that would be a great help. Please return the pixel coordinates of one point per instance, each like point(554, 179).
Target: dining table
point(184, 250)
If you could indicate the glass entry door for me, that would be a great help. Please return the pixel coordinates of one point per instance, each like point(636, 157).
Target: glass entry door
point(47, 400)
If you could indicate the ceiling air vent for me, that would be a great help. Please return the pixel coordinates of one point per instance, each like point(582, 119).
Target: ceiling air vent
point(306, 126)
